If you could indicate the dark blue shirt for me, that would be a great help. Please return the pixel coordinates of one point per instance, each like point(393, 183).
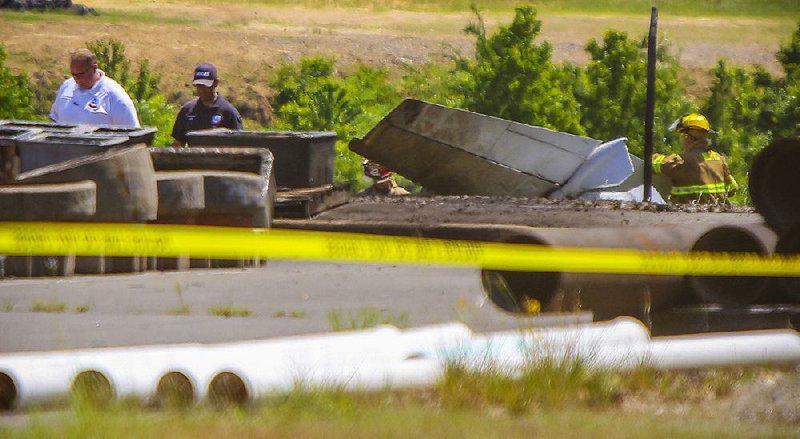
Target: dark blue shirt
point(196, 116)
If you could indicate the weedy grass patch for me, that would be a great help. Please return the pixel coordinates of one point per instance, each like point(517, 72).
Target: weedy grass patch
point(367, 317)
point(48, 306)
point(229, 311)
point(545, 400)
point(183, 310)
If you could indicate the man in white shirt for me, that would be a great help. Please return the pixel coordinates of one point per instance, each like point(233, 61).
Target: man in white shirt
point(90, 97)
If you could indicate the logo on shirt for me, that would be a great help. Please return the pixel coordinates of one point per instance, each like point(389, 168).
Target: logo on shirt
point(92, 104)
point(216, 120)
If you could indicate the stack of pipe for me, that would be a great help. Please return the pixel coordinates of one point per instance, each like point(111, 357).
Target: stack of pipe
point(612, 295)
point(374, 359)
point(606, 295)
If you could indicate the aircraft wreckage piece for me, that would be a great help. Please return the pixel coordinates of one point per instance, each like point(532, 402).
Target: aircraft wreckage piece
point(457, 152)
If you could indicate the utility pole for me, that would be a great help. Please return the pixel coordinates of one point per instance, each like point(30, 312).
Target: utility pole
point(650, 105)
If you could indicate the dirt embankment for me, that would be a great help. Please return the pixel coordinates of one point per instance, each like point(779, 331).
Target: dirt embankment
point(534, 212)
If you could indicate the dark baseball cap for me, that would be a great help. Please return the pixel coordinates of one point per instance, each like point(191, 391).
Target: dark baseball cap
point(205, 74)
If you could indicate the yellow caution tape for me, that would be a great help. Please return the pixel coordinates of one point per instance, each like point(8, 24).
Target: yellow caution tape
point(240, 243)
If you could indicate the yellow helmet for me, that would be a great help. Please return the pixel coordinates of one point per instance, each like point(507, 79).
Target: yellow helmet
point(691, 121)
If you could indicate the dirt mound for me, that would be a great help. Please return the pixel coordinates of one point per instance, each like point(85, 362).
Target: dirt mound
point(535, 212)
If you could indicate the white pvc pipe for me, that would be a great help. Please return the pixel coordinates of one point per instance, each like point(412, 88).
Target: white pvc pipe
point(512, 349)
point(47, 376)
point(36, 378)
point(378, 358)
point(134, 372)
point(333, 360)
point(750, 348)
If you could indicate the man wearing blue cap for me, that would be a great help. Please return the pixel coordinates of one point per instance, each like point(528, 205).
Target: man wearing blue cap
point(208, 110)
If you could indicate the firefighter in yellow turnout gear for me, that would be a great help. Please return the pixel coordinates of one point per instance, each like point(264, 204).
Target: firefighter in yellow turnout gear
point(699, 174)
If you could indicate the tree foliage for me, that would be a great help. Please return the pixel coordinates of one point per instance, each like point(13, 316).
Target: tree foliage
point(613, 89)
point(313, 96)
point(436, 83)
point(111, 59)
point(789, 57)
point(153, 108)
point(146, 84)
point(16, 95)
point(750, 107)
point(513, 78)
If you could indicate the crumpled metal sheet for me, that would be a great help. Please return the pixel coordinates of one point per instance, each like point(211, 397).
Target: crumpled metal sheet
point(457, 152)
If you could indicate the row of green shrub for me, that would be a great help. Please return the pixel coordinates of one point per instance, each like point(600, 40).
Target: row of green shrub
point(511, 76)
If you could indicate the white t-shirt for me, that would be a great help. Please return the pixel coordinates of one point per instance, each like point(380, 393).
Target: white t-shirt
point(106, 103)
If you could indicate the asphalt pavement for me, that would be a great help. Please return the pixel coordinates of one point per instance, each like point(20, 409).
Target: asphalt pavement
point(282, 299)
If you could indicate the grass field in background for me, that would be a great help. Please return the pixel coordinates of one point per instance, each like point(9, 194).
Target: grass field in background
point(690, 8)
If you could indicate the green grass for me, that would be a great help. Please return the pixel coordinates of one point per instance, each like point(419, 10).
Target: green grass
point(183, 310)
point(48, 306)
point(37, 16)
point(229, 311)
point(294, 314)
point(367, 317)
point(130, 16)
point(106, 16)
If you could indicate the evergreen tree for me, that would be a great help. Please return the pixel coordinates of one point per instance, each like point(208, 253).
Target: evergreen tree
point(111, 58)
point(513, 78)
point(789, 57)
point(612, 91)
point(314, 97)
point(16, 94)
point(153, 108)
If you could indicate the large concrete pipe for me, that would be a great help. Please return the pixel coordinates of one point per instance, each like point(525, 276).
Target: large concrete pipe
point(733, 290)
point(232, 187)
point(73, 201)
point(789, 244)
point(126, 182)
point(606, 295)
point(126, 192)
point(774, 181)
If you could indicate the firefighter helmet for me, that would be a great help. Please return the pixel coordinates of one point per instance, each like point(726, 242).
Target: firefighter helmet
point(376, 170)
point(691, 121)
